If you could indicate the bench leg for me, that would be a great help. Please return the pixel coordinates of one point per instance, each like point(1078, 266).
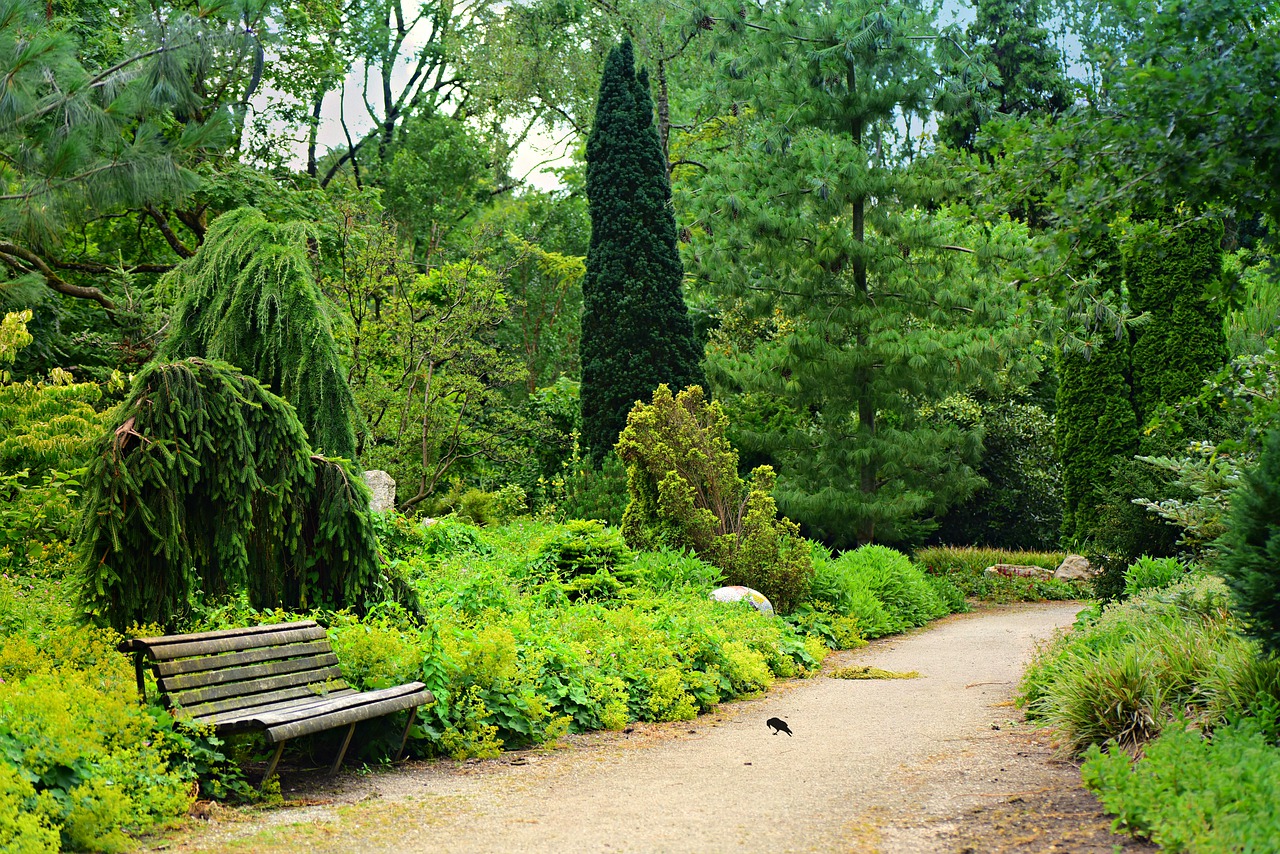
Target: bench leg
point(271, 766)
point(346, 742)
point(404, 739)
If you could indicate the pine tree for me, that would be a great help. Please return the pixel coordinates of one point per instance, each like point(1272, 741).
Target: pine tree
point(1009, 36)
point(873, 310)
point(206, 486)
point(1170, 275)
point(249, 298)
point(636, 332)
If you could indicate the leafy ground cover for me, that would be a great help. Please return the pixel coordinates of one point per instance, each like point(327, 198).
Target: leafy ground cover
point(523, 632)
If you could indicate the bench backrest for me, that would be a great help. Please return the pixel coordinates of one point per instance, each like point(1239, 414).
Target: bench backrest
point(209, 673)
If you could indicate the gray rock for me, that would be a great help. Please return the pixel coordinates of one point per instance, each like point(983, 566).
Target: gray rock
point(383, 489)
point(1075, 568)
point(738, 593)
point(1011, 570)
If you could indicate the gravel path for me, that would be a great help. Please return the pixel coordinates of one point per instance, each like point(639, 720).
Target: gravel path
point(938, 763)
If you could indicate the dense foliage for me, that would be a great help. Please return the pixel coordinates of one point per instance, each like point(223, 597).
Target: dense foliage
point(686, 494)
point(1171, 277)
point(441, 240)
point(249, 298)
point(863, 307)
point(636, 331)
point(290, 528)
point(1252, 543)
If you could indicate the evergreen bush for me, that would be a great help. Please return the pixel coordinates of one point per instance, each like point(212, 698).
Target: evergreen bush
point(685, 493)
point(636, 331)
point(206, 486)
point(1251, 560)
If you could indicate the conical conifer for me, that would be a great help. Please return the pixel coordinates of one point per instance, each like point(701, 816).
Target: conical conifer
point(1170, 276)
point(636, 332)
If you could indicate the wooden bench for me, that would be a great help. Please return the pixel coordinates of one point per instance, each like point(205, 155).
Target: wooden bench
point(281, 679)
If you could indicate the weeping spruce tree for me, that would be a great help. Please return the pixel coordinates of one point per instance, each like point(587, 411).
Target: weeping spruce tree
point(248, 297)
point(875, 309)
point(636, 332)
point(206, 487)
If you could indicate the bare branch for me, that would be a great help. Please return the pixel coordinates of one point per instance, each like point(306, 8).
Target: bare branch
point(10, 252)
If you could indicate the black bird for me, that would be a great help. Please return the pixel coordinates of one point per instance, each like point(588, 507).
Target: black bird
point(778, 725)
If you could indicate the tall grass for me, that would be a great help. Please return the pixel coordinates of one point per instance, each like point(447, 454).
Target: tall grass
point(964, 567)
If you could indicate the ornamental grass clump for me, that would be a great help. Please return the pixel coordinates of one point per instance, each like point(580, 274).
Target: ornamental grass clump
point(1125, 674)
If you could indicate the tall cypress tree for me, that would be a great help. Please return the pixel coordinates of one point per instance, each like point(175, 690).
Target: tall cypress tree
point(248, 297)
point(636, 332)
point(1096, 427)
point(1170, 274)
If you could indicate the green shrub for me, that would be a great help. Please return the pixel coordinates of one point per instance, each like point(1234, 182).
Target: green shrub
point(849, 594)
point(1251, 558)
point(685, 493)
point(1195, 793)
point(1150, 573)
point(479, 507)
point(589, 560)
point(669, 569)
point(899, 584)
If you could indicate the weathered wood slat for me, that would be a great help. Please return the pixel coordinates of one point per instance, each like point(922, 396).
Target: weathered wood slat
point(237, 659)
point(133, 643)
point(222, 719)
point(231, 675)
point(227, 704)
point(167, 651)
point(254, 686)
point(337, 704)
point(281, 679)
point(294, 729)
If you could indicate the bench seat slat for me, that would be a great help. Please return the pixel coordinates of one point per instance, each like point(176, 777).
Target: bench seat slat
point(254, 686)
point(236, 659)
point(337, 704)
point(319, 720)
point(234, 716)
point(167, 651)
point(228, 704)
point(242, 674)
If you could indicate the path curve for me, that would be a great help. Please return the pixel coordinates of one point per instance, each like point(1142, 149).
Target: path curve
point(892, 766)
